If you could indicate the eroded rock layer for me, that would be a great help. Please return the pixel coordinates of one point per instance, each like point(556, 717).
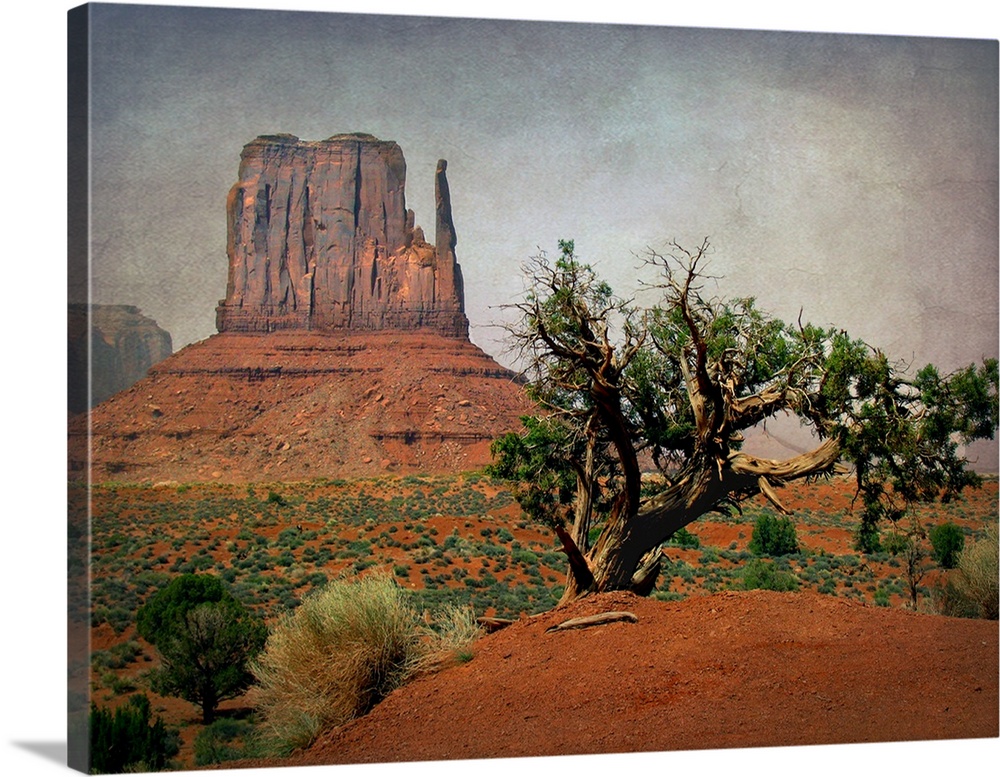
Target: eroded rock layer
point(319, 237)
point(110, 347)
point(297, 405)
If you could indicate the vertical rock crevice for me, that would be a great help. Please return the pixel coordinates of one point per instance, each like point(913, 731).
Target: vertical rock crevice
point(365, 265)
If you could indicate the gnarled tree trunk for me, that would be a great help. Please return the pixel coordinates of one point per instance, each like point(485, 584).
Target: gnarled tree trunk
point(621, 559)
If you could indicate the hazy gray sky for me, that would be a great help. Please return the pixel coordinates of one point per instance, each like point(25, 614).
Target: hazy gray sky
point(507, 201)
point(852, 176)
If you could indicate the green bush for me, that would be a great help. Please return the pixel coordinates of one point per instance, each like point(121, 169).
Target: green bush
point(972, 590)
point(126, 741)
point(765, 575)
point(682, 538)
point(773, 536)
point(337, 655)
point(895, 543)
point(225, 740)
point(947, 541)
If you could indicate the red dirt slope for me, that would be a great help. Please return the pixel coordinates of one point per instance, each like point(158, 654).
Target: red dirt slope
point(299, 405)
point(736, 669)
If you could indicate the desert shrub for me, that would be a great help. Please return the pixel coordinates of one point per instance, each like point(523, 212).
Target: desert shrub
point(117, 656)
point(951, 599)
point(120, 686)
point(225, 740)
point(763, 574)
point(337, 655)
point(972, 591)
point(682, 538)
point(119, 618)
point(452, 633)
point(667, 596)
point(827, 587)
point(709, 556)
point(126, 740)
point(684, 570)
point(773, 536)
point(947, 541)
point(894, 543)
point(866, 538)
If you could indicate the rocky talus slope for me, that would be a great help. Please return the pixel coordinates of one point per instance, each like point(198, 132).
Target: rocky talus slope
point(296, 405)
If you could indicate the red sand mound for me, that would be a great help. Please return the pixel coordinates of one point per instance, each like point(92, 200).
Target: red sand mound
point(736, 669)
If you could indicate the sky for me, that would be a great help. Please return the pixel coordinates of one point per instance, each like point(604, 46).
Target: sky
point(864, 195)
point(852, 177)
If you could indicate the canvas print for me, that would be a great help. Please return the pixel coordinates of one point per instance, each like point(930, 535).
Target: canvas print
point(457, 388)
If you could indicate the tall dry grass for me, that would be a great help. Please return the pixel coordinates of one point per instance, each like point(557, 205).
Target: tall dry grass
point(342, 651)
point(972, 590)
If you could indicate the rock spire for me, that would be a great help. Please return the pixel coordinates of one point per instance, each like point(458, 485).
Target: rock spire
point(319, 238)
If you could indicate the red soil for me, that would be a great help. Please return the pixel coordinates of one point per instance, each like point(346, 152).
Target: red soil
point(736, 669)
point(296, 405)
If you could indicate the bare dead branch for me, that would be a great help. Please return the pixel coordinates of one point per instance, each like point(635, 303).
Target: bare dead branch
point(600, 619)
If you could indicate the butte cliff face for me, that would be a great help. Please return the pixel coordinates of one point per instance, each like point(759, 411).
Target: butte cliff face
point(320, 238)
point(123, 345)
point(343, 346)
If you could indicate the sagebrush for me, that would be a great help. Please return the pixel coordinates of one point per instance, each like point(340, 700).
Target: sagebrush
point(341, 652)
point(972, 590)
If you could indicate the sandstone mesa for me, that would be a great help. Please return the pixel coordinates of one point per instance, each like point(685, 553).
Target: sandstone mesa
point(343, 347)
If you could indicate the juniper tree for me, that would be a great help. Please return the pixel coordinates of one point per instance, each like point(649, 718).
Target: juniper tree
point(679, 382)
point(205, 638)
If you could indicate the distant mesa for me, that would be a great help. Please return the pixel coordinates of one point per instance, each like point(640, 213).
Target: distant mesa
point(343, 346)
point(319, 238)
point(123, 345)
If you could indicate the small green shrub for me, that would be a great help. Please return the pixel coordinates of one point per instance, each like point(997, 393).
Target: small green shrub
point(866, 538)
point(126, 740)
point(773, 536)
point(765, 575)
point(947, 541)
point(682, 538)
point(972, 590)
point(894, 543)
point(225, 740)
point(709, 556)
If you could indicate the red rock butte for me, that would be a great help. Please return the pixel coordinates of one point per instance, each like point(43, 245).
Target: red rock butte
point(319, 237)
point(343, 346)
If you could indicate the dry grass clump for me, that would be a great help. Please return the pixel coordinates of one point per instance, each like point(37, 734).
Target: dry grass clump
point(972, 590)
point(341, 652)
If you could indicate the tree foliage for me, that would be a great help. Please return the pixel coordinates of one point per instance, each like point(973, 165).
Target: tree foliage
point(679, 382)
point(205, 638)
